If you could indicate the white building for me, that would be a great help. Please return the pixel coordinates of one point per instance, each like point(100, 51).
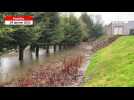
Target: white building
point(119, 28)
point(130, 25)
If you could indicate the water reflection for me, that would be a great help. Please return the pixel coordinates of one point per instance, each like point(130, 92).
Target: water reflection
point(9, 65)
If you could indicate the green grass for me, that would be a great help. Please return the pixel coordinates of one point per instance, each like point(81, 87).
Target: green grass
point(113, 65)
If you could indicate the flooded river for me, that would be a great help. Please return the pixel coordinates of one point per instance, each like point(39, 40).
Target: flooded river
point(10, 65)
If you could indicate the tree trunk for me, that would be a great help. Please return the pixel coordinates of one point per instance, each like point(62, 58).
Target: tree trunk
point(64, 46)
point(47, 49)
point(32, 48)
point(21, 50)
point(37, 51)
point(60, 47)
point(54, 48)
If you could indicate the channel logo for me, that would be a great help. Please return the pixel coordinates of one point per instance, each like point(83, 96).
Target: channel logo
point(18, 20)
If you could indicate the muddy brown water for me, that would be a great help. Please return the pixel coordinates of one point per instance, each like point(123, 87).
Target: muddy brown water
point(10, 66)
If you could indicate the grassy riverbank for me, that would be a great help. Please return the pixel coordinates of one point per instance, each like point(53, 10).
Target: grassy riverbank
point(113, 65)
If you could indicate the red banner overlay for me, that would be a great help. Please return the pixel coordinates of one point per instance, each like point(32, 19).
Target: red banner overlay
point(18, 20)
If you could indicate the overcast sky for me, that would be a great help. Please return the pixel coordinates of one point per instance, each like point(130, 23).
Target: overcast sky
point(107, 17)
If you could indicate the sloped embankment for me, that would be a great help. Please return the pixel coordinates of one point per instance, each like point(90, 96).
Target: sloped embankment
point(113, 65)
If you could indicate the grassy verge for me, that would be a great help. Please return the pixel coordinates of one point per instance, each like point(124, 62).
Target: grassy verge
point(113, 65)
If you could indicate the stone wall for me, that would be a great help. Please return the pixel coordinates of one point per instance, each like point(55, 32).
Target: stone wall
point(98, 44)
